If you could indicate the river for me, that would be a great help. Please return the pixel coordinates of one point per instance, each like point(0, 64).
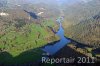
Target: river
point(52, 49)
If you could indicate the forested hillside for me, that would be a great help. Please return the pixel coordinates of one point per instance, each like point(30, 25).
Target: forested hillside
point(82, 21)
point(80, 11)
point(87, 31)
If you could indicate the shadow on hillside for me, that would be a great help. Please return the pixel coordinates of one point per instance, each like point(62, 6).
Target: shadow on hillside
point(28, 58)
point(67, 52)
point(32, 14)
point(78, 44)
point(24, 59)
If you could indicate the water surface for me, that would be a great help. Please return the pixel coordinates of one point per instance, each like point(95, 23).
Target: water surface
point(52, 49)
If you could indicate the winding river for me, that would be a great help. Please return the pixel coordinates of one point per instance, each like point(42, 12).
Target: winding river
point(52, 49)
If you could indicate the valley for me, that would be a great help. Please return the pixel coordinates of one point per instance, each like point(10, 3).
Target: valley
point(30, 30)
